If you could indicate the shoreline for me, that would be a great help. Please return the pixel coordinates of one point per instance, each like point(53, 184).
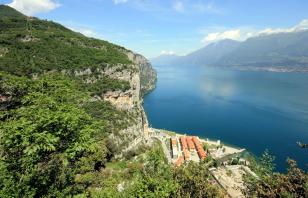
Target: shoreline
point(222, 149)
point(202, 138)
point(230, 167)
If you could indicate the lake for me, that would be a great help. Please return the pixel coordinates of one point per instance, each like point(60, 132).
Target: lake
point(250, 109)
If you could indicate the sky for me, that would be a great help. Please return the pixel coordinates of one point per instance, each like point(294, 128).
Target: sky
point(156, 27)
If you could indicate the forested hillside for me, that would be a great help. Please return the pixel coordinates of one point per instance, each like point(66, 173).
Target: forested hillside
point(59, 134)
point(30, 45)
point(55, 125)
point(71, 105)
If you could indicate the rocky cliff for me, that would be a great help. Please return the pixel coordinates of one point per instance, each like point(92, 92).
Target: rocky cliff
point(148, 75)
point(142, 78)
point(31, 47)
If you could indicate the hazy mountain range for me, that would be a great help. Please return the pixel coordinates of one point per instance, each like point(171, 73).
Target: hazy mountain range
point(280, 51)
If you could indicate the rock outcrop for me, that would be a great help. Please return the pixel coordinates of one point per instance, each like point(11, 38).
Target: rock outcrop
point(142, 79)
point(148, 75)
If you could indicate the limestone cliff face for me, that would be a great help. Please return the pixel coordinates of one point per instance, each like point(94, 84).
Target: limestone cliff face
point(142, 78)
point(148, 75)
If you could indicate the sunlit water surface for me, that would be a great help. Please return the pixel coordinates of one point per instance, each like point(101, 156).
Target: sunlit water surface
point(255, 110)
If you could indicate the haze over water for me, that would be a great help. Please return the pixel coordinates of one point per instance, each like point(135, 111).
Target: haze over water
point(254, 110)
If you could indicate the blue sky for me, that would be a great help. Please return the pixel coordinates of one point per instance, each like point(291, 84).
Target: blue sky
point(154, 27)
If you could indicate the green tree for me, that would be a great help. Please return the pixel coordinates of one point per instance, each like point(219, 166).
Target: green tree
point(43, 143)
point(271, 184)
point(155, 180)
point(292, 184)
point(264, 166)
point(194, 181)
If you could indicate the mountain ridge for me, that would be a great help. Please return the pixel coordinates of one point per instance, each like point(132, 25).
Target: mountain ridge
point(286, 51)
point(7, 11)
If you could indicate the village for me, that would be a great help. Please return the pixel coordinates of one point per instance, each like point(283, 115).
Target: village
point(228, 169)
point(186, 149)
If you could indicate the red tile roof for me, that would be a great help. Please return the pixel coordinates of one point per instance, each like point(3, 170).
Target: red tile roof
point(200, 150)
point(202, 154)
point(186, 154)
point(190, 143)
point(183, 142)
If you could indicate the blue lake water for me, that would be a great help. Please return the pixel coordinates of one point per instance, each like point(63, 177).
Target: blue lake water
point(254, 110)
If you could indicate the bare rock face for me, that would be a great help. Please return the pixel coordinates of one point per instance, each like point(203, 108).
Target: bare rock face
point(148, 75)
point(129, 99)
point(142, 79)
point(121, 100)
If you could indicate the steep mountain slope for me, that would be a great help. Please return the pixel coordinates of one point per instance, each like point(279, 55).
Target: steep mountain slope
point(8, 12)
point(204, 56)
point(72, 104)
point(31, 47)
point(210, 53)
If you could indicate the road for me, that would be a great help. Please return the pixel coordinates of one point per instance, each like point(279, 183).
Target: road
point(153, 134)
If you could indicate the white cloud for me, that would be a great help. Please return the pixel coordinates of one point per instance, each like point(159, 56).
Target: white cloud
point(303, 25)
point(31, 7)
point(119, 1)
point(164, 52)
point(216, 36)
point(242, 33)
point(178, 6)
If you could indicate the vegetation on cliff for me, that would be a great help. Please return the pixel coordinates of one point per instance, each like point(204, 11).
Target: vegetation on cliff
point(271, 184)
point(54, 138)
point(54, 135)
point(53, 143)
point(51, 131)
point(30, 45)
point(48, 136)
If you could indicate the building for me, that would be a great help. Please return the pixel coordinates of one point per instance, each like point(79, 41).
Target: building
point(201, 153)
point(174, 148)
point(183, 143)
point(190, 143)
point(187, 149)
point(186, 154)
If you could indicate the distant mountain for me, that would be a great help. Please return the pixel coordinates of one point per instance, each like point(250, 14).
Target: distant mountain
point(164, 59)
point(209, 54)
point(204, 56)
point(281, 50)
